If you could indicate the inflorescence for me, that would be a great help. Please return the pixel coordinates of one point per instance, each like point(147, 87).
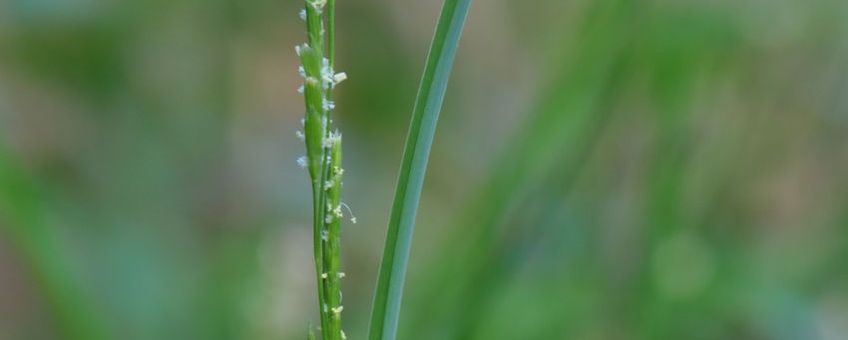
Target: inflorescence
point(323, 160)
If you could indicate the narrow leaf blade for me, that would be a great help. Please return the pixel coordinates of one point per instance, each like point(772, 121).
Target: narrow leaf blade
point(422, 128)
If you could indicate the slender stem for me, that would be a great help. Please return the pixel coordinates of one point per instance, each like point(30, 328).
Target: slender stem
point(333, 241)
point(331, 32)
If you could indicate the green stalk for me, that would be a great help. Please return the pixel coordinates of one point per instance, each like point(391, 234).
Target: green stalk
point(323, 160)
point(425, 114)
point(331, 32)
point(333, 273)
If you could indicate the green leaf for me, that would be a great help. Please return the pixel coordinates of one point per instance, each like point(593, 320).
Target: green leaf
point(25, 223)
point(422, 128)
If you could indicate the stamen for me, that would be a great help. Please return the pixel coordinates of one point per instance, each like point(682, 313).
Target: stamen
point(350, 211)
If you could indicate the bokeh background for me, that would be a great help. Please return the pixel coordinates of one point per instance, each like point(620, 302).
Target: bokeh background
point(603, 169)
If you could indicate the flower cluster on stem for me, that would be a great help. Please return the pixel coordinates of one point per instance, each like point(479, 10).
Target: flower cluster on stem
point(323, 159)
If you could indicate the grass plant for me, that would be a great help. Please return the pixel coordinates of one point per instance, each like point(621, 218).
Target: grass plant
point(323, 161)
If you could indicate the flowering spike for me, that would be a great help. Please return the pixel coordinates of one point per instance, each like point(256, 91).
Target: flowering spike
point(323, 159)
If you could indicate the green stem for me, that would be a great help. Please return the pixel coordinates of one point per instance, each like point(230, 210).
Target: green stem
point(333, 242)
point(331, 32)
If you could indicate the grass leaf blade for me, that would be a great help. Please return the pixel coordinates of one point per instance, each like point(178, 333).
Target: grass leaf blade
point(422, 128)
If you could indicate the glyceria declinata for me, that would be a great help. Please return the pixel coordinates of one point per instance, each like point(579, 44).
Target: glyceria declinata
point(323, 160)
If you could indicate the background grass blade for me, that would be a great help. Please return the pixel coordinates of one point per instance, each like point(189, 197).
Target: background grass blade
point(568, 120)
point(25, 222)
point(425, 114)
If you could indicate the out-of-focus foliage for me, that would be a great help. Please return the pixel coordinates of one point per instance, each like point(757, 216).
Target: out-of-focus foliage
point(604, 169)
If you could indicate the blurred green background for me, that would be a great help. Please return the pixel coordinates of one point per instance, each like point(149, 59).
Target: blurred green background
point(604, 169)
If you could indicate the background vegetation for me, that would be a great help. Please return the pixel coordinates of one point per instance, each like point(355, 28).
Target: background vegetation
point(604, 169)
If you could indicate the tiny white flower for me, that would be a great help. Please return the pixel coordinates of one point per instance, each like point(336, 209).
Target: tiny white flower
point(339, 77)
point(302, 14)
point(325, 235)
point(301, 71)
point(302, 162)
point(328, 105)
point(341, 275)
point(301, 89)
point(327, 73)
point(300, 135)
point(318, 4)
point(337, 310)
point(324, 275)
point(333, 138)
